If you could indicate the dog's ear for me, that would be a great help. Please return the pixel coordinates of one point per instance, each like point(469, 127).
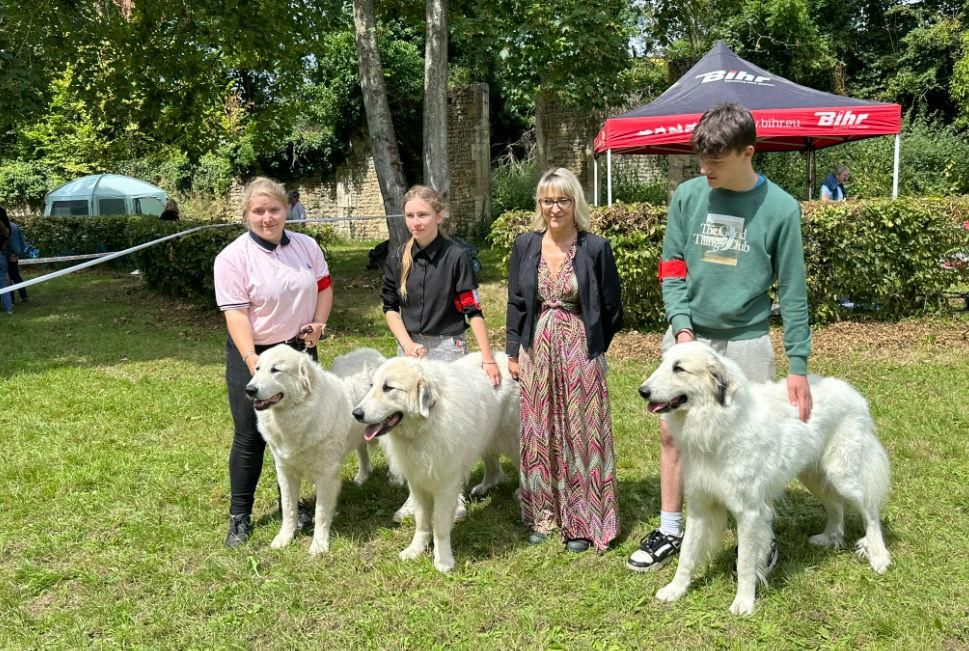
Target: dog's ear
point(425, 397)
point(724, 384)
point(304, 372)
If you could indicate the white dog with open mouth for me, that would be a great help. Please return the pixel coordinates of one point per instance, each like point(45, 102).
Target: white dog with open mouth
point(742, 443)
point(439, 418)
point(303, 412)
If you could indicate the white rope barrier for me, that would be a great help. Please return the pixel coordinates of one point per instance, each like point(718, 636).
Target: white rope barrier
point(98, 258)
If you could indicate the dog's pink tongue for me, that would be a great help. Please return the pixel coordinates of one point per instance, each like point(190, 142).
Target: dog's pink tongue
point(657, 406)
point(370, 431)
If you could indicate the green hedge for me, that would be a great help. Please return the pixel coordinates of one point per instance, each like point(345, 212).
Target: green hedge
point(181, 267)
point(882, 254)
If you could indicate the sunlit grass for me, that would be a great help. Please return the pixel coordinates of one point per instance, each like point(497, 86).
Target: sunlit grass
point(115, 494)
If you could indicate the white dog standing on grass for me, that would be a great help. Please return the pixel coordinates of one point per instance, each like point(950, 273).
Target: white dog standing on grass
point(303, 412)
point(742, 443)
point(439, 418)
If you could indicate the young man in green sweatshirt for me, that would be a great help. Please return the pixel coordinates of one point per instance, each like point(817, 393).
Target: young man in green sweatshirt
point(730, 235)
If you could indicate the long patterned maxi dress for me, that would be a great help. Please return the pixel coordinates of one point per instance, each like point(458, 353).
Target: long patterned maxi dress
point(568, 469)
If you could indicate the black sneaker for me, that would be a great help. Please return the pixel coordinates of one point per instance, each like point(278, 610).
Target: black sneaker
point(773, 556)
point(655, 551)
point(304, 517)
point(240, 527)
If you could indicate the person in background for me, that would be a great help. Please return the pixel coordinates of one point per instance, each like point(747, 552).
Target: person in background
point(833, 188)
point(430, 298)
point(15, 249)
point(564, 307)
point(6, 301)
point(274, 288)
point(170, 213)
point(296, 209)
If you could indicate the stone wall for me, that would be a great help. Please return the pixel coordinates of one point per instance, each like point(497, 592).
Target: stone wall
point(353, 191)
point(563, 138)
point(683, 167)
point(469, 159)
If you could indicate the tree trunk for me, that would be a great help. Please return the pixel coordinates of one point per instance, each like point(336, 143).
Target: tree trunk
point(383, 140)
point(435, 99)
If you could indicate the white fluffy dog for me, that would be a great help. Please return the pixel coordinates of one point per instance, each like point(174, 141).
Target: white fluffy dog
point(439, 417)
point(355, 369)
point(304, 414)
point(742, 443)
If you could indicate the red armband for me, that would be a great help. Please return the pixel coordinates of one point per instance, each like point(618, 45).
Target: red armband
point(467, 300)
point(671, 269)
point(323, 283)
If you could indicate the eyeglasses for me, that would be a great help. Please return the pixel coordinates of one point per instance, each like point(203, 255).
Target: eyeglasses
point(564, 204)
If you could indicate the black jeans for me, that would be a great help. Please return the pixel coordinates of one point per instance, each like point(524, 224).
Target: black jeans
point(13, 270)
point(248, 446)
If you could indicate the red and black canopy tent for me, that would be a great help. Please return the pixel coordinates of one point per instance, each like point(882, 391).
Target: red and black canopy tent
point(789, 117)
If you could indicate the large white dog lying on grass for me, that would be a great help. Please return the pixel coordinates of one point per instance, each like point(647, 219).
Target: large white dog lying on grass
point(303, 412)
point(439, 418)
point(742, 443)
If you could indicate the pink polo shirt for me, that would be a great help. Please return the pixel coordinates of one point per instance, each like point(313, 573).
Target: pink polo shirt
point(276, 284)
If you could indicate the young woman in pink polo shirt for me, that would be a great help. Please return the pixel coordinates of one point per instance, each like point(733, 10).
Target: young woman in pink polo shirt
point(273, 287)
point(430, 297)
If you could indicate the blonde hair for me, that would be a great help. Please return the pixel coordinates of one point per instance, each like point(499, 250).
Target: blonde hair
point(436, 201)
point(262, 186)
point(563, 183)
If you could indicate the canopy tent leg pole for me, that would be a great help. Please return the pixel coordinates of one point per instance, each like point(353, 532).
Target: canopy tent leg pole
point(809, 164)
point(608, 177)
point(595, 181)
point(898, 149)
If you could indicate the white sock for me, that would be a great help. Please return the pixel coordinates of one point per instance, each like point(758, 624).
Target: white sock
point(671, 523)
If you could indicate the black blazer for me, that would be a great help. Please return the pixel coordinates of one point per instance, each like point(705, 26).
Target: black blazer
point(599, 291)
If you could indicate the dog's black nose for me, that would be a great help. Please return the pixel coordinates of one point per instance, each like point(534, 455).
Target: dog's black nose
point(358, 414)
point(251, 391)
point(644, 391)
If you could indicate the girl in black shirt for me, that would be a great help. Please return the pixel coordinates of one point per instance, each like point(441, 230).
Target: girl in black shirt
point(431, 297)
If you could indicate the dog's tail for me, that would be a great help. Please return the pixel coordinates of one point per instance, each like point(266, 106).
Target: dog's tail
point(871, 487)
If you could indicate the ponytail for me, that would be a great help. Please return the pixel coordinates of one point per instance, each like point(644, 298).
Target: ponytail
point(406, 262)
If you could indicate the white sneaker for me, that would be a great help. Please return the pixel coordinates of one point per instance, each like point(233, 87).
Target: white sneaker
point(406, 510)
point(461, 512)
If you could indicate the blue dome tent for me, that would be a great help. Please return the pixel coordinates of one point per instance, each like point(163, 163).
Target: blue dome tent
point(105, 194)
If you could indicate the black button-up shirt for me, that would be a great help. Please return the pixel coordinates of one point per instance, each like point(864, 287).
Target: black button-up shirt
point(441, 288)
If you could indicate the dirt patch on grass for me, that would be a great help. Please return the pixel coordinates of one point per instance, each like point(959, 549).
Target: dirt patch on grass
point(928, 339)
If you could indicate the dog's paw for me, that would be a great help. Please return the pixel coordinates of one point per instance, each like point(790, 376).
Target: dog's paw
point(444, 564)
point(411, 552)
point(826, 540)
point(670, 592)
point(319, 547)
point(879, 560)
point(361, 477)
point(480, 490)
point(742, 606)
point(282, 539)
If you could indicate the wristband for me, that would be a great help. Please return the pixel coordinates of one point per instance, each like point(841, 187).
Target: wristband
point(248, 355)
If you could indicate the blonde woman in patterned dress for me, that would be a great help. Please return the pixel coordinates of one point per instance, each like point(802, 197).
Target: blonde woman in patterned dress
point(564, 307)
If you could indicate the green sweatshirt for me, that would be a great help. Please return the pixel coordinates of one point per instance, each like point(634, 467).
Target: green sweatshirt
point(735, 245)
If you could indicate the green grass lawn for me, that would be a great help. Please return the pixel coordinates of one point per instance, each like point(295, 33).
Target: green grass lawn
point(114, 503)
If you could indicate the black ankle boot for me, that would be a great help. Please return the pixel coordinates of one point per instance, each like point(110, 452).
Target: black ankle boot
point(578, 544)
point(240, 527)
